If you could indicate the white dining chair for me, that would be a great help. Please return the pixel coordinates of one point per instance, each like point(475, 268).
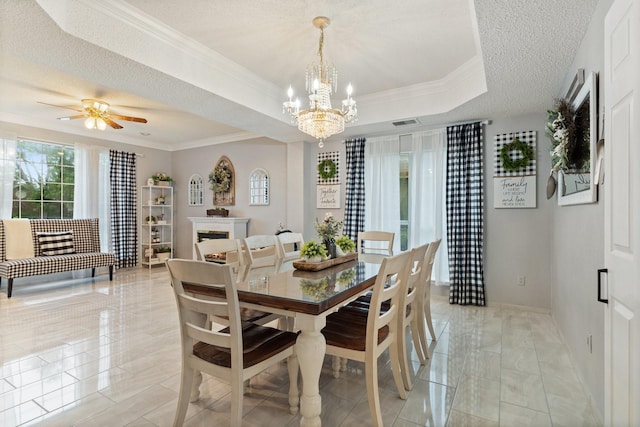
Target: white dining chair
point(363, 336)
point(376, 242)
point(262, 250)
point(230, 249)
point(234, 354)
point(289, 245)
point(424, 299)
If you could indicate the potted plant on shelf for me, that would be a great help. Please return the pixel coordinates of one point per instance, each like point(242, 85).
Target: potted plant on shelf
point(162, 179)
point(344, 245)
point(163, 253)
point(313, 251)
point(150, 219)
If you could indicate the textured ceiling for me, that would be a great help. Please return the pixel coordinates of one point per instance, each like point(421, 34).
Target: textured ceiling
point(205, 72)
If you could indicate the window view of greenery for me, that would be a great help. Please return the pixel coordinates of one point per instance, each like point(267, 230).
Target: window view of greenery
point(404, 201)
point(43, 182)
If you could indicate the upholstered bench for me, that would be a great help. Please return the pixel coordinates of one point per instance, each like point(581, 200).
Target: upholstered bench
point(59, 245)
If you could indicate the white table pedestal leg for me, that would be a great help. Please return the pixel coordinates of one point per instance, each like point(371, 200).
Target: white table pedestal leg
point(310, 348)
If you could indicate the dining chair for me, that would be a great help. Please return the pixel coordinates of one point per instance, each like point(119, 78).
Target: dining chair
point(424, 300)
point(231, 249)
point(355, 335)
point(262, 250)
point(376, 241)
point(289, 245)
point(234, 354)
point(408, 315)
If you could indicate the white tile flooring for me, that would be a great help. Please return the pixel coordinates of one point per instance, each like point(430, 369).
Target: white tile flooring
point(89, 352)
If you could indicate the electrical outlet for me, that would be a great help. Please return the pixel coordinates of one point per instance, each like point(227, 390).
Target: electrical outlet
point(521, 280)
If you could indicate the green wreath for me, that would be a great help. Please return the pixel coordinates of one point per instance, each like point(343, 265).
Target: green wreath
point(510, 164)
point(322, 169)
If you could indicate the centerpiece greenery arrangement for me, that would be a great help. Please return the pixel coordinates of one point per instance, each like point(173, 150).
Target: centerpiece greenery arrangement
point(328, 229)
point(313, 251)
point(345, 244)
point(317, 289)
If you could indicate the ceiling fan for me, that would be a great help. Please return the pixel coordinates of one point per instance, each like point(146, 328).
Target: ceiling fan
point(97, 116)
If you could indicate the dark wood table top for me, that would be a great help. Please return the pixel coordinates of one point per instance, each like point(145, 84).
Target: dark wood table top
point(299, 291)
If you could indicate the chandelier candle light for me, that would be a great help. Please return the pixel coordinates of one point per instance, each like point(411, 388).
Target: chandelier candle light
point(320, 120)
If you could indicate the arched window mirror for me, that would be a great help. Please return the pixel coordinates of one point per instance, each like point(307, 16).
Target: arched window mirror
point(196, 190)
point(259, 185)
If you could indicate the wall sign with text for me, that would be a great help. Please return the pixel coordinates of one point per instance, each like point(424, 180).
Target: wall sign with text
point(514, 177)
point(328, 197)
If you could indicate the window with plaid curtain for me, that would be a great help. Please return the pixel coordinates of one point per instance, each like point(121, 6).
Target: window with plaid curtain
point(124, 226)
point(354, 192)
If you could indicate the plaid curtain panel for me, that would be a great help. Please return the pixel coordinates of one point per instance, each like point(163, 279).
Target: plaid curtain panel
point(124, 226)
point(465, 200)
point(354, 192)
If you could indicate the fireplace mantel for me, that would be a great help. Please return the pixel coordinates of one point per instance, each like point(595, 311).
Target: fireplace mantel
point(236, 227)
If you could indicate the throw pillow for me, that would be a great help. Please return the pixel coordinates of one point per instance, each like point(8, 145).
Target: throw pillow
point(60, 243)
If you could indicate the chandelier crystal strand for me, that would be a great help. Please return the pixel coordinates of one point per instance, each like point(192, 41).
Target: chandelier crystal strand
point(320, 120)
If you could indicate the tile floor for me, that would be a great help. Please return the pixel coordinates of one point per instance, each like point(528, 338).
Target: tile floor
point(89, 352)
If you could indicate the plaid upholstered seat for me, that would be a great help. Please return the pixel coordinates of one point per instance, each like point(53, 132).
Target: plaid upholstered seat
point(86, 240)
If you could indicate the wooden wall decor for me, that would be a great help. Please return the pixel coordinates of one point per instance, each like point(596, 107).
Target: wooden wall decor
point(223, 183)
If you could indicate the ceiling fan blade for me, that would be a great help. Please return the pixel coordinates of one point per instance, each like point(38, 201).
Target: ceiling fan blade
point(59, 106)
point(79, 116)
point(111, 123)
point(128, 118)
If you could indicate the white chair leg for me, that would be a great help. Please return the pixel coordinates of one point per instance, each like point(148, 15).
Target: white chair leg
point(371, 376)
point(195, 387)
point(427, 314)
point(417, 342)
point(395, 370)
point(186, 384)
point(343, 364)
point(335, 366)
point(294, 394)
point(404, 359)
point(237, 395)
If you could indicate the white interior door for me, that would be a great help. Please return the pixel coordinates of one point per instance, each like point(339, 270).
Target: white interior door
point(622, 213)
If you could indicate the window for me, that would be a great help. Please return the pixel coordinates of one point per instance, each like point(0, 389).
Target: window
point(404, 201)
point(196, 192)
point(43, 183)
point(259, 185)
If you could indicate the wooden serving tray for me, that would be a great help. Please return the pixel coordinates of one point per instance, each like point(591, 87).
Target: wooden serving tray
point(317, 266)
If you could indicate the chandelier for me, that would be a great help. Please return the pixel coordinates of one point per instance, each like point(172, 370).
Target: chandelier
point(321, 78)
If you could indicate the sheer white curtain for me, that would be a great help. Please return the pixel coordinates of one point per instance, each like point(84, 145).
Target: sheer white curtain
point(427, 200)
point(91, 189)
point(382, 186)
point(7, 173)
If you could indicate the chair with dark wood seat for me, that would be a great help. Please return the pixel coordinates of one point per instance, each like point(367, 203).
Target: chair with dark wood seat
point(351, 335)
point(262, 250)
point(375, 242)
point(229, 252)
point(408, 315)
point(236, 353)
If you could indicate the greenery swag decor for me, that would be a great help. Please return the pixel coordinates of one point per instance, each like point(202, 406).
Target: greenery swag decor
point(220, 178)
point(161, 176)
point(326, 169)
point(570, 148)
point(511, 165)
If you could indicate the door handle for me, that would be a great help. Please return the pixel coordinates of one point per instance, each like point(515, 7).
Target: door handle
point(600, 271)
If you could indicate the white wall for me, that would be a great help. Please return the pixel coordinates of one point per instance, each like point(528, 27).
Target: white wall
point(245, 157)
point(518, 241)
point(578, 247)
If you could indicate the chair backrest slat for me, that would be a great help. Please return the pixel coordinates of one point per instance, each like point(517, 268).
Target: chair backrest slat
point(376, 241)
point(262, 250)
point(290, 244)
point(194, 312)
point(230, 247)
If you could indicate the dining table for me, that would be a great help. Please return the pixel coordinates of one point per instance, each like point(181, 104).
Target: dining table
point(308, 297)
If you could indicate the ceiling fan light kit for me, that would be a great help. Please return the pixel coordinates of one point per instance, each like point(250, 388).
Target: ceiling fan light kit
point(320, 120)
point(96, 115)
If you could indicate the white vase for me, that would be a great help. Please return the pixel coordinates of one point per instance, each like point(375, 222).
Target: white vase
point(163, 256)
point(314, 259)
point(339, 252)
point(164, 183)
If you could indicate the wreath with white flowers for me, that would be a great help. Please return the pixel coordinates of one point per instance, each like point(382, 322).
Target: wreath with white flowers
point(512, 165)
point(326, 169)
point(570, 148)
point(220, 179)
